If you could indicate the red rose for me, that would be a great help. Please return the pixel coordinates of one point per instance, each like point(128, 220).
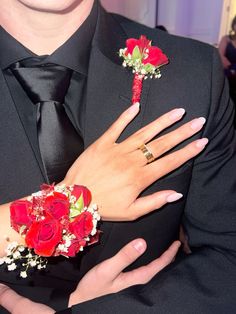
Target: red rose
point(79, 190)
point(142, 43)
point(155, 57)
point(44, 235)
point(57, 205)
point(82, 226)
point(20, 214)
point(75, 247)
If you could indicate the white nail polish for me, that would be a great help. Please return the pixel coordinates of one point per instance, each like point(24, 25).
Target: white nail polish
point(198, 123)
point(174, 197)
point(176, 114)
point(134, 108)
point(202, 142)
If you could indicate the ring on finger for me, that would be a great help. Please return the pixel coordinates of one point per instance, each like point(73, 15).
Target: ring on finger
point(147, 153)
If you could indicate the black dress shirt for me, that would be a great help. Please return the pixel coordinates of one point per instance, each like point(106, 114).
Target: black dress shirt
point(73, 54)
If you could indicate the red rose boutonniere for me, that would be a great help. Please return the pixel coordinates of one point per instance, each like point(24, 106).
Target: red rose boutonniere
point(144, 59)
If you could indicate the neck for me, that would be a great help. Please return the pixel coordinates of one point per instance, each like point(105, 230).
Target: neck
point(42, 32)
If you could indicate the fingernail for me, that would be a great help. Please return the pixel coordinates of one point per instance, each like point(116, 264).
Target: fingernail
point(202, 142)
point(198, 123)
point(134, 108)
point(173, 197)
point(176, 114)
point(139, 246)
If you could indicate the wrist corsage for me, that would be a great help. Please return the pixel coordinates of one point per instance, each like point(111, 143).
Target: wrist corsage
point(55, 221)
point(145, 61)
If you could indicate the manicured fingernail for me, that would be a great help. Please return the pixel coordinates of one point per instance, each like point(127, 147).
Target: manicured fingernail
point(176, 114)
point(202, 142)
point(198, 123)
point(173, 197)
point(139, 246)
point(134, 108)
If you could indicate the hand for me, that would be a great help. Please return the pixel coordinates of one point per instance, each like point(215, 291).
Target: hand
point(16, 304)
point(117, 173)
point(107, 282)
point(109, 277)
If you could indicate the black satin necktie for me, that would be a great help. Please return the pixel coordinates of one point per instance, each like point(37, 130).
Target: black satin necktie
point(46, 85)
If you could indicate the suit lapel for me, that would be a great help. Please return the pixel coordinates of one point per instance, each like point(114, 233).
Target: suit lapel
point(109, 84)
point(27, 115)
point(19, 168)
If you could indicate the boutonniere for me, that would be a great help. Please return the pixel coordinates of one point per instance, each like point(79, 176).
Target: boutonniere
point(145, 60)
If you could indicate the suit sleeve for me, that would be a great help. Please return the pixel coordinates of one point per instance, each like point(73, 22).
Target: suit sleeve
point(205, 281)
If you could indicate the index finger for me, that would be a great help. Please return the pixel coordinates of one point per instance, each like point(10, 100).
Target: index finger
point(115, 130)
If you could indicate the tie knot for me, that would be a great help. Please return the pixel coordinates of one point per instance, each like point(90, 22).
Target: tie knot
point(42, 82)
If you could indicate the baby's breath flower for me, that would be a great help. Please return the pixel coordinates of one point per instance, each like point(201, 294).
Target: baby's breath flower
point(11, 267)
point(8, 260)
point(16, 254)
point(23, 274)
point(33, 263)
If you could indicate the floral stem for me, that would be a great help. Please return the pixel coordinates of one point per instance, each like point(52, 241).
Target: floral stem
point(137, 87)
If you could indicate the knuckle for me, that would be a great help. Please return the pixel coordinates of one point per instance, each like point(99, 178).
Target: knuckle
point(141, 136)
point(162, 145)
point(131, 216)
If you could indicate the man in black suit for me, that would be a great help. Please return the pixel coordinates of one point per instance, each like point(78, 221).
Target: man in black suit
point(203, 282)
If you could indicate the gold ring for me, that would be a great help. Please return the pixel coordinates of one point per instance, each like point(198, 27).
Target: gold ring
point(147, 153)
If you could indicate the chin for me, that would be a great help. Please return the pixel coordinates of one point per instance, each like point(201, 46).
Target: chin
point(59, 6)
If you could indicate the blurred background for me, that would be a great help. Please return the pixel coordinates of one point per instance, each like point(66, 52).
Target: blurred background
point(205, 20)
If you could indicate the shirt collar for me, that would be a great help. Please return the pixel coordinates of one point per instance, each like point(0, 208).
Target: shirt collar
point(73, 54)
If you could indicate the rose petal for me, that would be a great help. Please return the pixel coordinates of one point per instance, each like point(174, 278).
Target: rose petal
point(131, 43)
point(155, 57)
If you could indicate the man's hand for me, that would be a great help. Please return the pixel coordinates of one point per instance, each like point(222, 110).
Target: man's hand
point(16, 304)
point(118, 173)
point(108, 276)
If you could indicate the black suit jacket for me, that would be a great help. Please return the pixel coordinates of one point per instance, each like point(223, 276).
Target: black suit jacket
point(205, 281)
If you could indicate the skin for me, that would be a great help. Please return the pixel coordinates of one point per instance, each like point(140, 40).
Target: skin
point(46, 25)
point(106, 282)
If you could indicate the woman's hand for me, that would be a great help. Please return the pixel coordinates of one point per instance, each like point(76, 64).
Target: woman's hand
point(117, 173)
point(108, 276)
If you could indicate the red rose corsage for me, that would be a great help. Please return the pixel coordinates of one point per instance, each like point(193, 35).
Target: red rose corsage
point(55, 221)
point(145, 60)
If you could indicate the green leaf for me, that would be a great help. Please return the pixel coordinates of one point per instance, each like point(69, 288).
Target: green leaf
point(136, 55)
point(80, 203)
point(149, 68)
point(74, 212)
point(76, 209)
